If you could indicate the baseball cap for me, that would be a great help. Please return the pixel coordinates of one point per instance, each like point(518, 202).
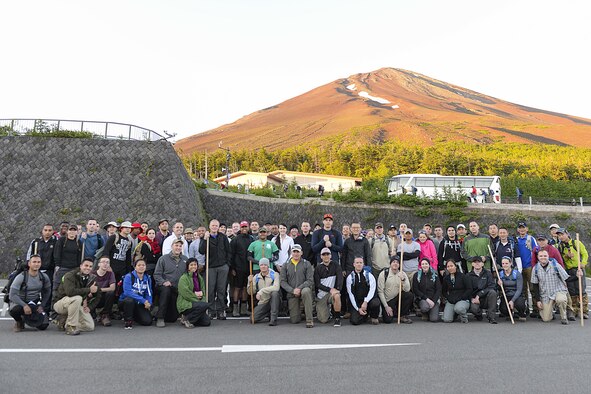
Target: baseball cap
point(379, 224)
point(73, 227)
point(327, 216)
point(561, 230)
point(521, 224)
point(408, 230)
point(244, 223)
point(460, 226)
point(325, 250)
point(176, 241)
point(296, 247)
point(541, 236)
point(263, 230)
point(553, 226)
point(392, 227)
point(474, 259)
point(189, 230)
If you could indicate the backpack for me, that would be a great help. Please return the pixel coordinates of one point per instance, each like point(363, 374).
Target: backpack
point(23, 270)
point(137, 253)
point(372, 241)
point(554, 266)
point(19, 267)
point(258, 276)
point(513, 274)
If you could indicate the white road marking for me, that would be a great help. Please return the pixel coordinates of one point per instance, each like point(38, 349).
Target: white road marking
point(223, 349)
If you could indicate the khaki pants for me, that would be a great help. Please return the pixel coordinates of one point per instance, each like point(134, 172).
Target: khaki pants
point(293, 303)
point(323, 306)
point(561, 302)
point(76, 317)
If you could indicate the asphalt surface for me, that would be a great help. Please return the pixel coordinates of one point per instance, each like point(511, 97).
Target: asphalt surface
point(527, 357)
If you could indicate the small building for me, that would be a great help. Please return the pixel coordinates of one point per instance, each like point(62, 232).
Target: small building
point(303, 179)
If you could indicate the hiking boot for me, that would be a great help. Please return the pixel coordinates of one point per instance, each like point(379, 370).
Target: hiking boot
point(19, 326)
point(160, 323)
point(564, 321)
point(405, 320)
point(128, 324)
point(570, 316)
point(464, 319)
point(347, 315)
point(236, 311)
point(244, 309)
point(478, 317)
point(71, 330)
point(492, 320)
point(273, 323)
point(375, 322)
point(585, 316)
point(523, 319)
point(212, 315)
point(188, 324)
point(309, 324)
point(534, 315)
point(105, 320)
point(60, 322)
point(222, 315)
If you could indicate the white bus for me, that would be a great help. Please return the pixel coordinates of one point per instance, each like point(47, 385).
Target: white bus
point(432, 184)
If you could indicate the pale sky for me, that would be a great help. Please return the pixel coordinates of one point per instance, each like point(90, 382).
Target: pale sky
point(189, 66)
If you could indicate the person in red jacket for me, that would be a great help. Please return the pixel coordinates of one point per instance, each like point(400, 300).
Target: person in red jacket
point(543, 244)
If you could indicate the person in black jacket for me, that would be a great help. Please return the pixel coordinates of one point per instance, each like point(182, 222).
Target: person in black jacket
point(427, 289)
point(448, 249)
point(219, 265)
point(328, 281)
point(484, 293)
point(44, 246)
point(456, 289)
point(67, 255)
point(240, 269)
point(305, 241)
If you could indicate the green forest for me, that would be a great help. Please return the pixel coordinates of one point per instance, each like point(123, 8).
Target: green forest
point(542, 171)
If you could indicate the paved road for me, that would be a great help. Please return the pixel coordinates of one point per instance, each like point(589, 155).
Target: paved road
point(527, 357)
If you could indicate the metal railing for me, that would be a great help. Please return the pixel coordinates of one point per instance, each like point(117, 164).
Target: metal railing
point(107, 130)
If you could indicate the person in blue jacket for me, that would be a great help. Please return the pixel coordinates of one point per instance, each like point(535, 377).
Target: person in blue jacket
point(136, 299)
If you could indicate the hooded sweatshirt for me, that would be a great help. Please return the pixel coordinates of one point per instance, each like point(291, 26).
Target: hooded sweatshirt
point(139, 290)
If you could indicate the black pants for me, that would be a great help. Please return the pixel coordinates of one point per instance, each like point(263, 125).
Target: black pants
point(106, 302)
point(197, 315)
point(17, 312)
point(519, 306)
point(167, 304)
point(405, 304)
point(373, 308)
point(134, 311)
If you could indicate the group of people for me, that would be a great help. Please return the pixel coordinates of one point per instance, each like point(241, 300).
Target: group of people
point(76, 276)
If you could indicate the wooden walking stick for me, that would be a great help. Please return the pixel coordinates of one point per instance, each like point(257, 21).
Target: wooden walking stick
point(494, 264)
point(207, 270)
point(400, 290)
point(252, 289)
point(580, 281)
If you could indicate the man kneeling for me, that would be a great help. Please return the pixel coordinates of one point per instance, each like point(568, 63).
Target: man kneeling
point(389, 282)
point(328, 279)
point(76, 296)
point(266, 287)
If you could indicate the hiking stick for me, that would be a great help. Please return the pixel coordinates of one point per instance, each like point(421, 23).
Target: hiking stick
point(494, 264)
point(580, 282)
point(400, 290)
point(35, 251)
point(251, 295)
point(82, 257)
point(207, 271)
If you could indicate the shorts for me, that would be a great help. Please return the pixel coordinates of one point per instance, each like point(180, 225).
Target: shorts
point(241, 279)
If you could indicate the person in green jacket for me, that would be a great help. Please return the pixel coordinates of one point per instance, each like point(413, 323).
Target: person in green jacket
point(476, 244)
point(191, 299)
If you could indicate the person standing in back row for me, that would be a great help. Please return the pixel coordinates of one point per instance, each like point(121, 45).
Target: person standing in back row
point(327, 237)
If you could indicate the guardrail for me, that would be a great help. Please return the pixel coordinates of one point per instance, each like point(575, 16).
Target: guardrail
point(107, 130)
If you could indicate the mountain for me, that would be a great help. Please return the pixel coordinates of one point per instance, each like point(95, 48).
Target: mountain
point(390, 104)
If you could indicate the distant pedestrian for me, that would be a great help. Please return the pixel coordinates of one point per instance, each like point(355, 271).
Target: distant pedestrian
point(519, 195)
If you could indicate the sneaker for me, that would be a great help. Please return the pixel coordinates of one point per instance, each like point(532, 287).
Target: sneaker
point(375, 322)
point(160, 323)
point(337, 322)
point(273, 323)
point(478, 317)
point(347, 315)
point(222, 315)
point(464, 319)
point(187, 324)
point(60, 322)
point(522, 319)
point(564, 321)
point(212, 315)
point(105, 320)
point(309, 324)
point(19, 326)
point(534, 315)
point(128, 324)
point(492, 320)
point(71, 330)
point(405, 320)
point(585, 316)
point(571, 318)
